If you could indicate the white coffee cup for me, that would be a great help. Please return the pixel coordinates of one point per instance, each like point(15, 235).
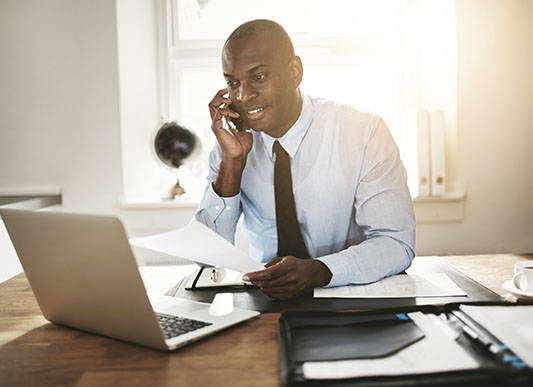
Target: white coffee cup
point(523, 277)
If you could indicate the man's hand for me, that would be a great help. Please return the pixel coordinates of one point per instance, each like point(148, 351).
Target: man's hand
point(235, 145)
point(289, 277)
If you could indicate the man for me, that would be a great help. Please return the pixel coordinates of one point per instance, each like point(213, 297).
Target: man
point(321, 185)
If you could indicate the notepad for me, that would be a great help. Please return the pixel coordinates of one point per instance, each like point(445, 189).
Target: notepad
point(397, 286)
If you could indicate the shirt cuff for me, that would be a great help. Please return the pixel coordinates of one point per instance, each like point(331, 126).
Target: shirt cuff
point(341, 269)
point(221, 208)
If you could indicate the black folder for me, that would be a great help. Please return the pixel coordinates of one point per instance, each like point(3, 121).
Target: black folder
point(349, 336)
point(317, 336)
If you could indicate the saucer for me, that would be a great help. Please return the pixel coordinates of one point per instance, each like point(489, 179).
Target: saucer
point(509, 287)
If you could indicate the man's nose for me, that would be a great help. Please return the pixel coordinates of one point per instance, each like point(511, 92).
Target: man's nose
point(245, 92)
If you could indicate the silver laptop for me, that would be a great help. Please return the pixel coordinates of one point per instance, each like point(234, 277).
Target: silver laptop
point(83, 275)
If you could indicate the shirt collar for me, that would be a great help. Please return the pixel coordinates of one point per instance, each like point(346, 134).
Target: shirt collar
point(292, 139)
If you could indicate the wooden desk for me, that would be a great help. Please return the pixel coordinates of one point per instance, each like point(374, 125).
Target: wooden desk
point(35, 352)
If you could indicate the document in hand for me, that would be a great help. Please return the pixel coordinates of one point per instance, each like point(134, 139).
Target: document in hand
point(198, 243)
point(397, 286)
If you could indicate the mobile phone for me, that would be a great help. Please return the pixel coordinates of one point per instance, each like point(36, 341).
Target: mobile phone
point(237, 122)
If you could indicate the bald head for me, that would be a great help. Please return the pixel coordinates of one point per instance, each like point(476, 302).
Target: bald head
point(268, 33)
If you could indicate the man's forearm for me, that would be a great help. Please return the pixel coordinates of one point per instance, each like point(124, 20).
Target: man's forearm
point(369, 261)
point(228, 181)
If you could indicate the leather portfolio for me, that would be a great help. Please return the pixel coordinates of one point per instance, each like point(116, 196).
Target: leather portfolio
point(459, 344)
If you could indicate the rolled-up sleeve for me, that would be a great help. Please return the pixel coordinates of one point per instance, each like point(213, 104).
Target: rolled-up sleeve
point(220, 214)
point(384, 210)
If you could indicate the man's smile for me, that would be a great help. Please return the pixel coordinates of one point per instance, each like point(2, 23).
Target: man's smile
point(255, 113)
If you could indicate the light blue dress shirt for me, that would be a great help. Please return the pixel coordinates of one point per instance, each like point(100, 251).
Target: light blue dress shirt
point(350, 191)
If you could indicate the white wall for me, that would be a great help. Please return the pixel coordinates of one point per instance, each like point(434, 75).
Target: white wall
point(59, 101)
point(495, 131)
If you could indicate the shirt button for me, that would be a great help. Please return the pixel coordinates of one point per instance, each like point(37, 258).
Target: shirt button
point(228, 208)
point(217, 208)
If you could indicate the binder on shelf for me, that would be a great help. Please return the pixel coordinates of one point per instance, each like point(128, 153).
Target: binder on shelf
point(437, 146)
point(423, 151)
point(417, 151)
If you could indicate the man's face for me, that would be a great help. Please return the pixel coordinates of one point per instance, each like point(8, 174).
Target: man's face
point(263, 87)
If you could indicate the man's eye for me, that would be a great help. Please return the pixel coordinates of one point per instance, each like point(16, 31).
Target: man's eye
point(260, 77)
point(232, 84)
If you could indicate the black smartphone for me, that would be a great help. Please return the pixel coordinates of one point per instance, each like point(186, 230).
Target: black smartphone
point(237, 122)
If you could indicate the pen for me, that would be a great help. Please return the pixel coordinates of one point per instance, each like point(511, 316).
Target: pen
point(497, 350)
point(483, 341)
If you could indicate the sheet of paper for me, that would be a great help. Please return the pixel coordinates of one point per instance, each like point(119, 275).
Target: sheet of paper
point(437, 352)
point(401, 285)
point(149, 257)
point(198, 243)
point(510, 324)
point(160, 279)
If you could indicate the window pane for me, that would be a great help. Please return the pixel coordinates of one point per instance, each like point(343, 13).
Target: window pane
point(375, 88)
point(216, 19)
point(196, 86)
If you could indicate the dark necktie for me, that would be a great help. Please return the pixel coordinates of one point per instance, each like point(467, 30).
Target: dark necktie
point(290, 240)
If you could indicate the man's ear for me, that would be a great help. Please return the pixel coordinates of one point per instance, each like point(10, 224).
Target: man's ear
point(296, 71)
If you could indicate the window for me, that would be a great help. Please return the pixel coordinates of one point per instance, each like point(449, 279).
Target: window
point(385, 56)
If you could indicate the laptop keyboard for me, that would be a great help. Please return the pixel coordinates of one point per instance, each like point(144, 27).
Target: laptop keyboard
point(175, 326)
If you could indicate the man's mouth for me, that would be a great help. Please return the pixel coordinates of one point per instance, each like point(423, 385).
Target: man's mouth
point(255, 113)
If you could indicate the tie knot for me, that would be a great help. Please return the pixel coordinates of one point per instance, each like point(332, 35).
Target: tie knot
point(278, 149)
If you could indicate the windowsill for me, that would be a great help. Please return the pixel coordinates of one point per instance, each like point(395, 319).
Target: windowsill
point(30, 191)
point(30, 198)
point(448, 208)
point(183, 202)
point(455, 196)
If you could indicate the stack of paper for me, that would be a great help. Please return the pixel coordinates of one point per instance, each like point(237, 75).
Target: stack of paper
point(398, 286)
